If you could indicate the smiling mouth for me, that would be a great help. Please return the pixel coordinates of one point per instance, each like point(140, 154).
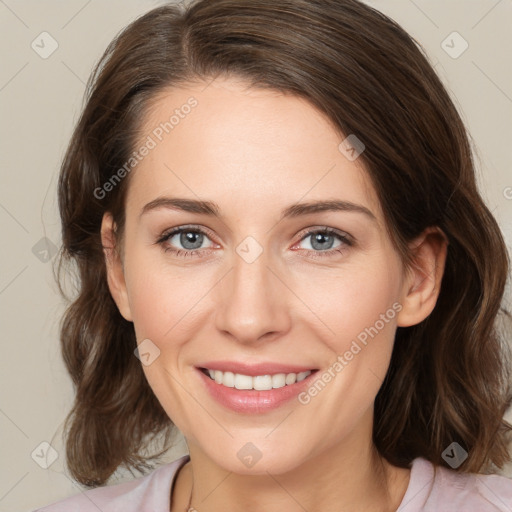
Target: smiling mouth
point(257, 382)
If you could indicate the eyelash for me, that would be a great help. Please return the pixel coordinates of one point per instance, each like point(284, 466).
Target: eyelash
point(183, 253)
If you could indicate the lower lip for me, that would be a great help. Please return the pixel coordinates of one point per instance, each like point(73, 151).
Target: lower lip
point(251, 400)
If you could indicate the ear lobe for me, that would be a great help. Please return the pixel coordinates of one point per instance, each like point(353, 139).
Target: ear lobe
point(114, 267)
point(423, 280)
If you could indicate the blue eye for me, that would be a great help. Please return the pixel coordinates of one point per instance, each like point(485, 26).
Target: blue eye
point(191, 238)
point(323, 240)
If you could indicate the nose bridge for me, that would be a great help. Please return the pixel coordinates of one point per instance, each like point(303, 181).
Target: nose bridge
point(253, 301)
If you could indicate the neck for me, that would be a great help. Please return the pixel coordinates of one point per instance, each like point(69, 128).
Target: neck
point(349, 477)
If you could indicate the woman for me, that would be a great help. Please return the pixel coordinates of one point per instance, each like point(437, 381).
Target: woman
point(221, 147)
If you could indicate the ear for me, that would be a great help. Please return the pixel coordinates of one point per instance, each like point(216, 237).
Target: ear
point(423, 280)
point(114, 265)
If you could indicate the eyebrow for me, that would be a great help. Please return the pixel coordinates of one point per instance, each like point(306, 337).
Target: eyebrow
point(295, 210)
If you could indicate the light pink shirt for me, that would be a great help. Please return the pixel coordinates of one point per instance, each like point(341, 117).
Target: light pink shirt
point(448, 492)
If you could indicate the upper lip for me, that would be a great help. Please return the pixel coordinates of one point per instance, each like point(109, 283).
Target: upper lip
point(255, 368)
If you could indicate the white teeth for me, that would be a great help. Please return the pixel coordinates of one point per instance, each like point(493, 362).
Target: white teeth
point(229, 379)
point(291, 378)
point(262, 382)
point(279, 380)
point(241, 381)
point(302, 375)
point(259, 382)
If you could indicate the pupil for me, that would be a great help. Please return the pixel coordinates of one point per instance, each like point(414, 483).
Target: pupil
point(321, 238)
point(190, 237)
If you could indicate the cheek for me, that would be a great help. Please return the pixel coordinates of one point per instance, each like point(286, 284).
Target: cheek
point(164, 298)
point(360, 307)
point(356, 301)
point(152, 310)
point(164, 303)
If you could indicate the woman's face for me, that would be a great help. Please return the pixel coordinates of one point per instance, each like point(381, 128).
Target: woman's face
point(257, 282)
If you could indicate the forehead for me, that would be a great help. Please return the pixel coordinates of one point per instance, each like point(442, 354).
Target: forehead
point(243, 147)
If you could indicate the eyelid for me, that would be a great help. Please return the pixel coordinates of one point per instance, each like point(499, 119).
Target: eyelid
point(344, 237)
point(303, 233)
point(185, 227)
point(324, 229)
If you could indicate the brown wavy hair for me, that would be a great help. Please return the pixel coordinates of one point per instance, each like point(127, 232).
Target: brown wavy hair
point(449, 377)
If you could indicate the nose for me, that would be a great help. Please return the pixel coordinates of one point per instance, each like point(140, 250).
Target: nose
point(253, 301)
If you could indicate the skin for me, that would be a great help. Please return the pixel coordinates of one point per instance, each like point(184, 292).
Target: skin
point(255, 152)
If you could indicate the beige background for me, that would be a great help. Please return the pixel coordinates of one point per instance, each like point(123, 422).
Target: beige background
point(40, 102)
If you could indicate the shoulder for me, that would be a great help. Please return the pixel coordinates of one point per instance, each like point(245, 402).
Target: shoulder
point(447, 490)
point(150, 492)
